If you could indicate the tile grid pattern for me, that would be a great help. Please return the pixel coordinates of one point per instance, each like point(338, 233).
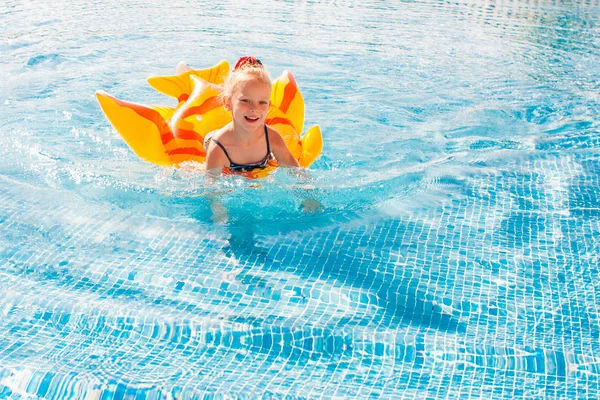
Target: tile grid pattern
point(492, 293)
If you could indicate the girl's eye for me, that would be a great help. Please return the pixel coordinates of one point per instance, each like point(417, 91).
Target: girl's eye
point(263, 103)
point(245, 101)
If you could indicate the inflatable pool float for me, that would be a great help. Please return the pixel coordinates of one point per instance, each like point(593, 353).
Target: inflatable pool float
point(172, 135)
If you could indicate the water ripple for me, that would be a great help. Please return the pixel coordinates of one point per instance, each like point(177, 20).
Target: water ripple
point(456, 256)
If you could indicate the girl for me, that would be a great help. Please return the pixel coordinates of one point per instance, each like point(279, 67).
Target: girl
point(246, 143)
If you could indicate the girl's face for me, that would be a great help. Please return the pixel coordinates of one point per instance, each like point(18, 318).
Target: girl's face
point(249, 104)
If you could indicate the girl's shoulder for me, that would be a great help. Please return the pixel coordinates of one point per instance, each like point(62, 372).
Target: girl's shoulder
point(215, 154)
point(218, 134)
point(274, 136)
point(271, 130)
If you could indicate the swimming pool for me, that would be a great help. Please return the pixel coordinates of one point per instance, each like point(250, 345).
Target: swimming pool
point(457, 256)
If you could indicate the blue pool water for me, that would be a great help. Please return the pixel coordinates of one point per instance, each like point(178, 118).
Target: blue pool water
point(457, 256)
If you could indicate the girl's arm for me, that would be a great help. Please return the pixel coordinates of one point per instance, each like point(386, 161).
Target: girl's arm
point(280, 150)
point(286, 159)
point(216, 160)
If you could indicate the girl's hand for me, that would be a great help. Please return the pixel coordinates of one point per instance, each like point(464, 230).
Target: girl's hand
point(219, 212)
point(314, 206)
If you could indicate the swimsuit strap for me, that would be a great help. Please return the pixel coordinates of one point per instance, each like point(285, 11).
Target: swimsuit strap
point(222, 148)
point(261, 164)
point(268, 144)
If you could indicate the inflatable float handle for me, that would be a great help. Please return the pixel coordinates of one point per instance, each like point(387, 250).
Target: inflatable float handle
point(312, 145)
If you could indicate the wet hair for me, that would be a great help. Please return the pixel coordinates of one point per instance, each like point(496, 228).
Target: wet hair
point(246, 69)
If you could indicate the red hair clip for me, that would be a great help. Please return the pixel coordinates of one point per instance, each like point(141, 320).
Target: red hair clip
point(250, 60)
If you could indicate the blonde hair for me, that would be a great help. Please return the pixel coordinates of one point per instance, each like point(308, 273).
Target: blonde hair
point(246, 69)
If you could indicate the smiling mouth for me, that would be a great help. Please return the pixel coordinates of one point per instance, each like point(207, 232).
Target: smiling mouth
point(252, 119)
